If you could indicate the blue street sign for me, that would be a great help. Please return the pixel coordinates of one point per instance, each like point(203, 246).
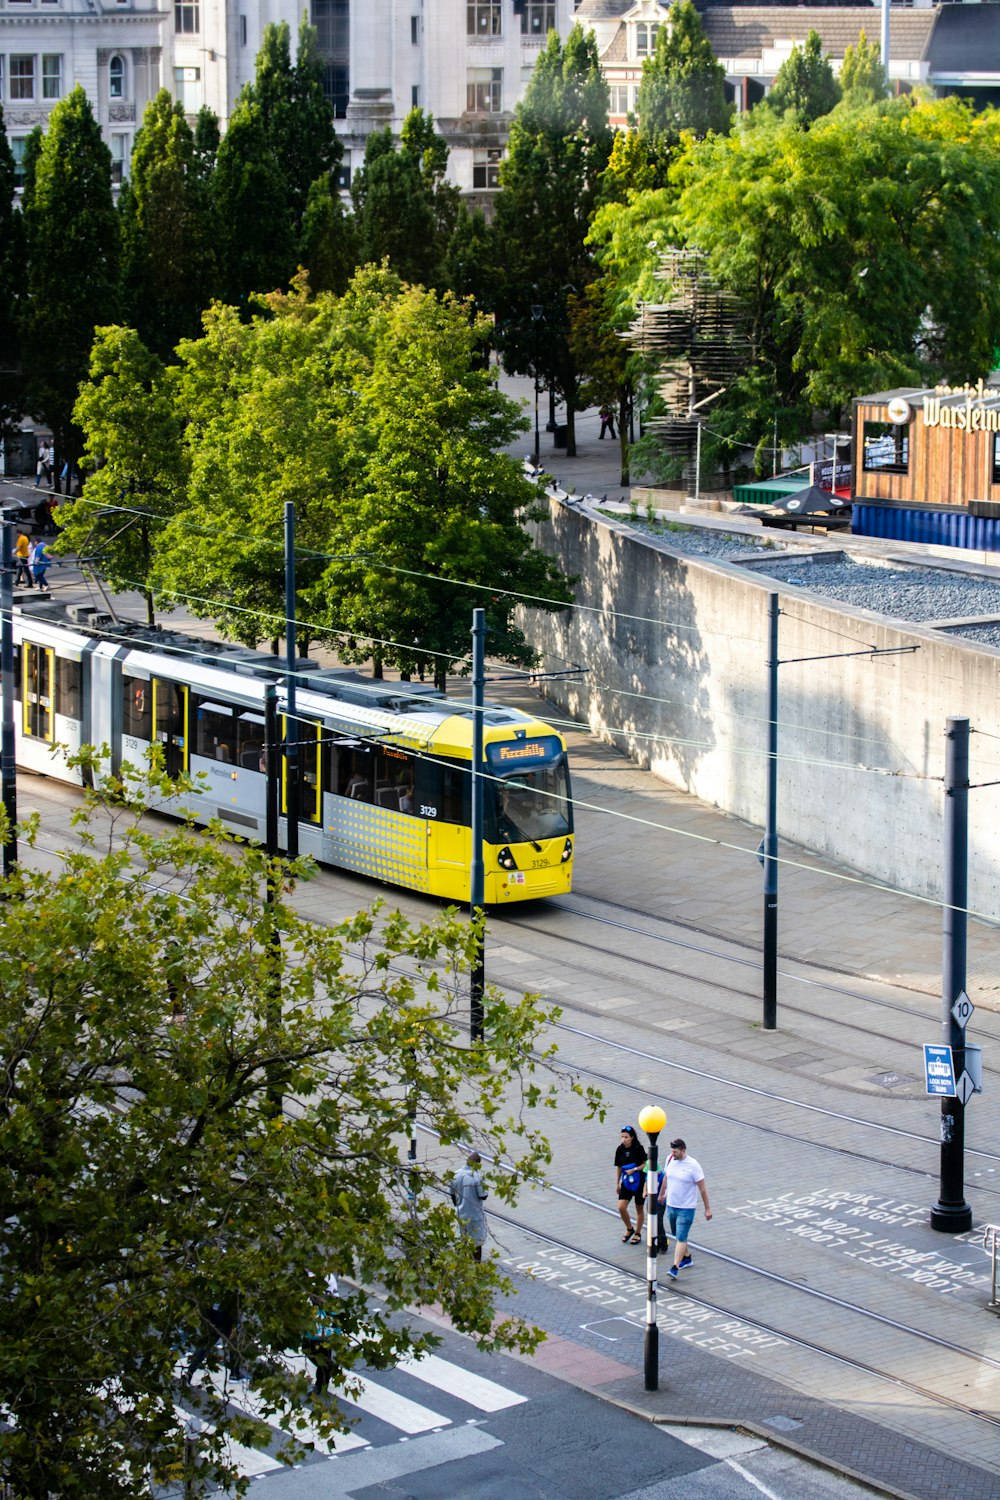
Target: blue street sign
point(939, 1070)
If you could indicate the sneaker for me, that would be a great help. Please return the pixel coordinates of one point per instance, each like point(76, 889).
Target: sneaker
point(673, 1272)
point(685, 1262)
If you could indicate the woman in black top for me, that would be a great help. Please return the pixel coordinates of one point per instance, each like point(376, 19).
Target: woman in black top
point(630, 1183)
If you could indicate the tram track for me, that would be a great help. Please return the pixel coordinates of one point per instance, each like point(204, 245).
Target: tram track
point(811, 1346)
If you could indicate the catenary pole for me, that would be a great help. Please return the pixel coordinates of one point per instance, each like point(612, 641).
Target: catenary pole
point(291, 718)
point(951, 1214)
point(8, 761)
point(771, 825)
point(652, 1119)
point(477, 876)
point(885, 40)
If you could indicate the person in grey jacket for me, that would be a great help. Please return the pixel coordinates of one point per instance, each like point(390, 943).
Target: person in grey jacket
point(468, 1196)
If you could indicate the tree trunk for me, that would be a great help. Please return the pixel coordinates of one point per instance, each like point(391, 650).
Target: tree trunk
point(570, 428)
point(377, 667)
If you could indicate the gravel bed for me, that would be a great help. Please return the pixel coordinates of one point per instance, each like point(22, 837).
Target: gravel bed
point(697, 541)
point(903, 593)
point(988, 635)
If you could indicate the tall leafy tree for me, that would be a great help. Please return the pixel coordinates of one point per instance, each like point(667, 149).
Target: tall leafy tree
point(73, 252)
point(167, 241)
point(682, 88)
point(296, 118)
point(805, 85)
point(328, 241)
point(154, 1192)
point(12, 279)
point(862, 73)
point(255, 218)
point(133, 444)
point(560, 144)
point(405, 209)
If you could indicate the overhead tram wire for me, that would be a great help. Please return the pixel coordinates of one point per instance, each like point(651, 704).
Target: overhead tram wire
point(274, 620)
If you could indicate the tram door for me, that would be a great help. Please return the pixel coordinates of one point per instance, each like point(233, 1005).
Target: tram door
point(37, 696)
point(170, 716)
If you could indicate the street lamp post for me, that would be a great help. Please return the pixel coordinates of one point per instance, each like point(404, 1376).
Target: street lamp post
point(652, 1119)
point(537, 314)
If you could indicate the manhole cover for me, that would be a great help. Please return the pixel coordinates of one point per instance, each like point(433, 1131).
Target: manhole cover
point(782, 1424)
point(891, 1080)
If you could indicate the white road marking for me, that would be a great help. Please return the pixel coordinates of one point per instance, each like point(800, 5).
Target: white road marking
point(476, 1391)
point(400, 1412)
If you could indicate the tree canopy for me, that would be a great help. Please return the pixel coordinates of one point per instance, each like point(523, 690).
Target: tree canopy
point(374, 412)
point(862, 74)
point(683, 86)
point(405, 208)
point(155, 1009)
point(73, 255)
point(805, 85)
point(551, 182)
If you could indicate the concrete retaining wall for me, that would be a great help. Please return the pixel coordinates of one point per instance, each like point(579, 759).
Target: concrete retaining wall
point(676, 651)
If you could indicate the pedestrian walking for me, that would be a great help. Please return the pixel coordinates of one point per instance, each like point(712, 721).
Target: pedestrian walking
point(22, 560)
point(607, 421)
point(39, 561)
point(318, 1346)
point(468, 1196)
point(683, 1180)
point(630, 1186)
point(43, 466)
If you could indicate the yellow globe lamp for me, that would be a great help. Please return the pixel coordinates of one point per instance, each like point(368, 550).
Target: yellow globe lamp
point(652, 1119)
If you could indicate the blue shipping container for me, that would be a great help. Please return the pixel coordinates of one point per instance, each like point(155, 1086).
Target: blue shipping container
point(940, 528)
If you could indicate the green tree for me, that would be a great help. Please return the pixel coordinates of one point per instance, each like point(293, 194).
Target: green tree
point(73, 250)
point(865, 250)
point(153, 1007)
point(12, 279)
point(253, 209)
point(405, 209)
point(132, 435)
point(328, 242)
point(560, 145)
point(167, 242)
point(682, 88)
point(805, 86)
point(297, 119)
point(610, 364)
point(862, 76)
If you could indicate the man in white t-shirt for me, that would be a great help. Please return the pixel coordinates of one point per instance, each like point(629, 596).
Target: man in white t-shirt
point(683, 1180)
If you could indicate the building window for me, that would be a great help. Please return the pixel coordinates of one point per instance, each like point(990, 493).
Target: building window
point(52, 75)
point(618, 99)
point(243, 31)
point(343, 178)
point(120, 157)
point(187, 89)
point(116, 77)
point(538, 17)
point(336, 88)
point(484, 91)
point(187, 21)
point(645, 38)
point(996, 459)
point(18, 144)
point(886, 448)
point(415, 96)
point(483, 18)
point(415, 30)
point(22, 78)
point(486, 168)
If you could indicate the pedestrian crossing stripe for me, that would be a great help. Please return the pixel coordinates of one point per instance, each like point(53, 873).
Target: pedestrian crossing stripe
point(373, 1399)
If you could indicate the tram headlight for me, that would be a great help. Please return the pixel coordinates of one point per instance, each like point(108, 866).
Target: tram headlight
point(567, 850)
point(506, 860)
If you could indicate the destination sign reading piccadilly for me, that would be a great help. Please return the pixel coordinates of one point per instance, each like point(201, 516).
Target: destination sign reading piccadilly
point(941, 410)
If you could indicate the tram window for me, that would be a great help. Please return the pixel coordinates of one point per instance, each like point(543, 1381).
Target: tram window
point(394, 779)
point(355, 773)
point(215, 731)
point(443, 791)
point(69, 688)
point(251, 755)
point(308, 744)
point(37, 700)
point(137, 708)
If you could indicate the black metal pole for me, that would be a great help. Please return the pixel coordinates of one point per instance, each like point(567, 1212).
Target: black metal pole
point(771, 826)
point(8, 743)
point(651, 1344)
point(272, 754)
point(477, 874)
point(291, 718)
point(951, 1214)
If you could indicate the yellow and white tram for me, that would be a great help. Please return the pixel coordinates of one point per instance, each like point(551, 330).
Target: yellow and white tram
point(384, 768)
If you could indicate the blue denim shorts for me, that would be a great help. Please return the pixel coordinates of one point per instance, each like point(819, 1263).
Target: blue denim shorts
point(680, 1221)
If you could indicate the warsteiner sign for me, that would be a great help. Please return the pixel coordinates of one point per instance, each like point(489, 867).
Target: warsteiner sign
point(970, 415)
